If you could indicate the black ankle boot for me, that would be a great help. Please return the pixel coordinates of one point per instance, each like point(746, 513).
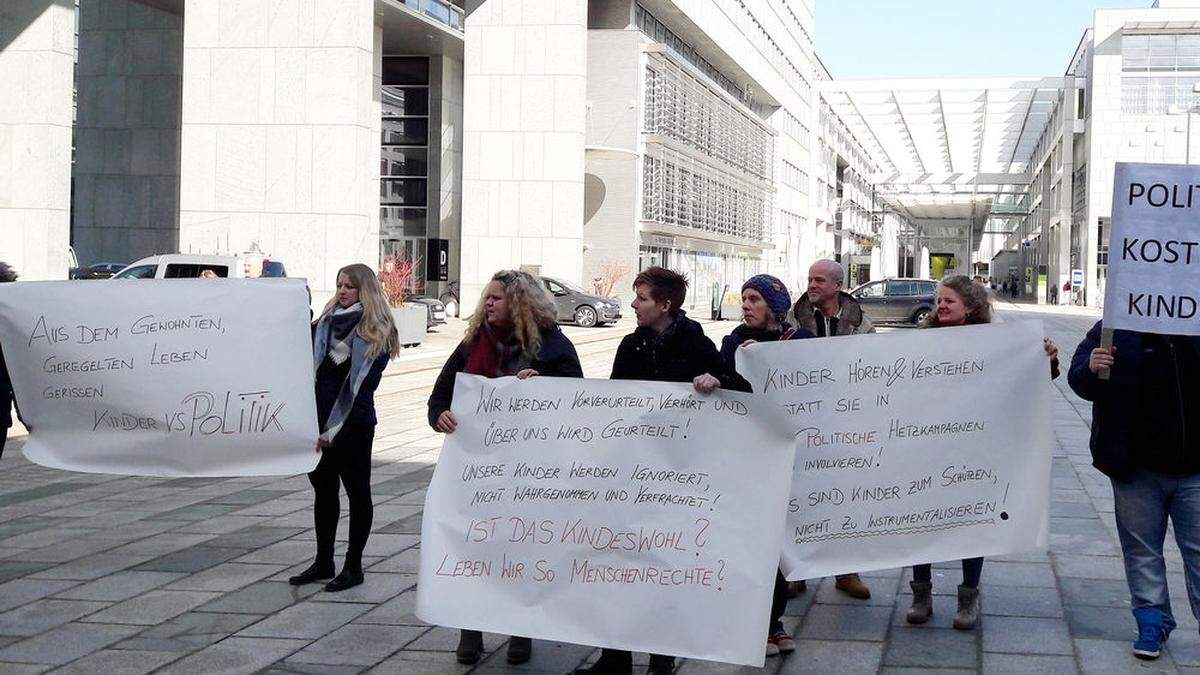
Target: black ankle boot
point(317, 571)
point(519, 650)
point(349, 578)
point(611, 662)
point(470, 646)
point(661, 665)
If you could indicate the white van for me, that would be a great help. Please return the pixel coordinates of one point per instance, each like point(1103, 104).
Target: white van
point(191, 266)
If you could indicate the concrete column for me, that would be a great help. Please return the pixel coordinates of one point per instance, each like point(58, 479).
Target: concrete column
point(523, 146)
point(37, 46)
point(126, 201)
point(280, 134)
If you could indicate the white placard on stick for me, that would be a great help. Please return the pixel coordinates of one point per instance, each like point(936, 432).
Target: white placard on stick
point(1153, 279)
point(912, 447)
point(632, 515)
point(174, 377)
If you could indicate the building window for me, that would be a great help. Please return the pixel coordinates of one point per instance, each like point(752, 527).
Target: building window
point(1160, 52)
point(1157, 94)
point(404, 159)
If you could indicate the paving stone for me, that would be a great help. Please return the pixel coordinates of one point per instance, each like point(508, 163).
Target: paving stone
point(197, 512)
point(152, 608)
point(425, 663)
point(117, 662)
point(1017, 574)
point(405, 562)
point(883, 593)
point(399, 611)
point(296, 668)
point(188, 632)
point(409, 525)
point(376, 588)
point(1095, 592)
point(1019, 663)
point(224, 525)
point(309, 620)
point(42, 615)
point(264, 597)
point(65, 643)
point(120, 586)
point(194, 559)
point(225, 577)
point(15, 569)
point(1020, 601)
point(1089, 566)
point(290, 552)
point(92, 567)
point(825, 656)
point(31, 524)
point(846, 622)
point(1023, 635)
point(1184, 647)
point(21, 591)
point(361, 645)
point(254, 537)
point(235, 656)
point(931, 647)
point(246, 497)
point(1101, 623)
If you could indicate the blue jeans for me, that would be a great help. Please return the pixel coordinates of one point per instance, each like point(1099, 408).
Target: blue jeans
point(1142, 507)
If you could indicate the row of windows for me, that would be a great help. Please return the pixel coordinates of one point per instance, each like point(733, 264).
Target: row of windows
point(680, 107)
point(1157, 95)
point(1160, 52)
point(754, 30)
point(796, 22)
point(679, 192)
point(792, 126)
point(794, 177)
point(656, 30)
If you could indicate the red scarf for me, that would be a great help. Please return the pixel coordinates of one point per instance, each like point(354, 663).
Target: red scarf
point(489, 352)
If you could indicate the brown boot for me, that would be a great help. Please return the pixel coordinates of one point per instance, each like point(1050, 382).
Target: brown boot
point(853, 586)
point(922, 602)
point(968, 608)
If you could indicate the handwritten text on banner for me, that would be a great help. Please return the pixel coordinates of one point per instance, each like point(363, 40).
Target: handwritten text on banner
point(911, 447)
point(634, 515)
point(187, 377)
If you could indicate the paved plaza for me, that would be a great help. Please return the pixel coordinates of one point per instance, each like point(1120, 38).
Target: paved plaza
point(112, 574)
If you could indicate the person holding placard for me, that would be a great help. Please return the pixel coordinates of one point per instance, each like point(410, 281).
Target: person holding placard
point(826, 310)
point(667, 346)
point(353, 340)
point(1145, 418)
point(514, 331)
point(960, 302)
point(6, 391)
point(765, 305)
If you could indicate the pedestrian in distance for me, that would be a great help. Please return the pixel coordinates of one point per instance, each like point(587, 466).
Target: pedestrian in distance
point(765, 307)
point(514, 331)
point(960, 302)
point(353, 340)
point(666, 346)
point(826, 311)
point(7, 397)
point(1144, 422)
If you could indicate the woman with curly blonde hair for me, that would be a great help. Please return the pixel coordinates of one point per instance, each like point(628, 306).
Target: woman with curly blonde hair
point(353, 340)
point(514, 331)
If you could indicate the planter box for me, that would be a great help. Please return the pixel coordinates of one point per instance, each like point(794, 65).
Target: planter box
point(411, 321)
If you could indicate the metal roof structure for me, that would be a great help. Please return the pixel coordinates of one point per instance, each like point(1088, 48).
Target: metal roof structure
point(952, 152)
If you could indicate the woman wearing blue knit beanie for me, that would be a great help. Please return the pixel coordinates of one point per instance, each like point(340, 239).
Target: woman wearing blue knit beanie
point(765, 306)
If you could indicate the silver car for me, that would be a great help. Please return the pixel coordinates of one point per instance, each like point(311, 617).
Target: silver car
point(578, 306)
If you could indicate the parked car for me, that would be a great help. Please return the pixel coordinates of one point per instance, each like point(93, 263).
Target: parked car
point(436, 310)
point(98, 271)
point(896, 300)
point(190, 266)
point(577, 305)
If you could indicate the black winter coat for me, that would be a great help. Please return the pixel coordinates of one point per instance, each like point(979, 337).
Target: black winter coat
point(731, 342)
point(679, 354)
point(1147, 415)
point(556, 358)
point(6, 396)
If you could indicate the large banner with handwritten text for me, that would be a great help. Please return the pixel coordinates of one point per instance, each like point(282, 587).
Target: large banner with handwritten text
point(911, 447)
point(632, 515)
point(172, 377)
point(1153, 280)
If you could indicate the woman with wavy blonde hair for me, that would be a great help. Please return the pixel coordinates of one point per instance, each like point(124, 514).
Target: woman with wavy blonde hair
point(353, 340)
point(513, 331)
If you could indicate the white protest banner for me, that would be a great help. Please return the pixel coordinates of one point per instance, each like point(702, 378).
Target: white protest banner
point(1153, 280)
point(632, 515)
point(173, 377)
point(912, 447)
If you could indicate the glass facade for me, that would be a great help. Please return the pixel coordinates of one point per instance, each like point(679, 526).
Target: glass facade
point(1160, 71)
point(404, 159)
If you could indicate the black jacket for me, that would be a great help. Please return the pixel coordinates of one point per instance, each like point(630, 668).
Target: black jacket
point(329, 380)
point(6, 396)
point(679, 354)
point(556, 358)
point(742, 333)
point(1147, 415)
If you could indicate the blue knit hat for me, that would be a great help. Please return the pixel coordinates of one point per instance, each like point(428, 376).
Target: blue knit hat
point(773, 292)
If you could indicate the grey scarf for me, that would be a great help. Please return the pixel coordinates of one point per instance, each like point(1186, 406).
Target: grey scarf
point(337, 340)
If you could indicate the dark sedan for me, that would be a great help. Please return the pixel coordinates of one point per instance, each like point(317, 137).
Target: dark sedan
point(583, 308)
point(896, 300)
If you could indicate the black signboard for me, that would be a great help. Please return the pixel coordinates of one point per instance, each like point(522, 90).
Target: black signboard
point(437, 260)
